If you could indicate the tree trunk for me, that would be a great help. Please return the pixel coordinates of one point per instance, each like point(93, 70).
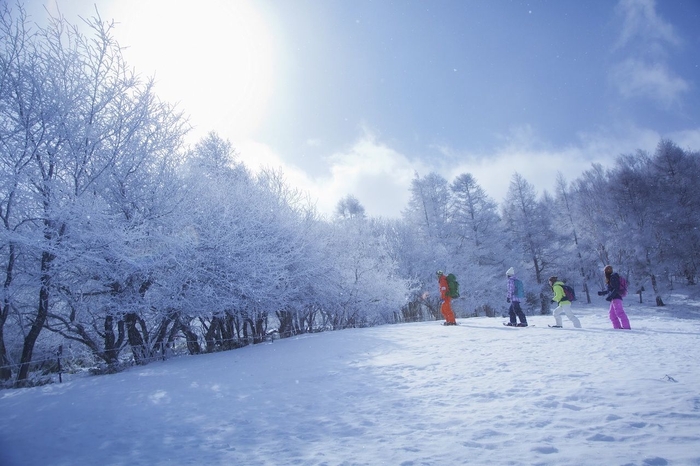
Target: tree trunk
point(137, 343)
point(228, 331)
point(544, 304)
point(213, 336)
point(112, 342)
point(39, 321)
point(285, 319)
point(538, 271)
point(191, 337)
point(654, 286)
point(5, 371)
point(260, 327)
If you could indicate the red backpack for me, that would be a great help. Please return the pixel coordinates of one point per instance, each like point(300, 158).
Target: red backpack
point(569, 293)
point(622, 291)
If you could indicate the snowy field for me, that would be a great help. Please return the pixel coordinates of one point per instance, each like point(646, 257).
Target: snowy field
point(411, 394)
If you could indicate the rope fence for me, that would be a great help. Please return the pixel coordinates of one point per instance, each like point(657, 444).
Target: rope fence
point(60, 364)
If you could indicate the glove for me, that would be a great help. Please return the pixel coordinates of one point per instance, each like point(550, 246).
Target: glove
point(601, 293)
point(553, 301)
point(507, 300)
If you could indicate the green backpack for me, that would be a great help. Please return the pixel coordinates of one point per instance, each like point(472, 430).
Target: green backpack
point(452, 286)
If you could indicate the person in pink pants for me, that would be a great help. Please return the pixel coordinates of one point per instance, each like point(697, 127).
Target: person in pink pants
point(617, 313)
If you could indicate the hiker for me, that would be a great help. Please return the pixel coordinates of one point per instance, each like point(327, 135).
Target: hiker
point(513, 295)
point(563, 304)
point(446, 307)
point(614, 295)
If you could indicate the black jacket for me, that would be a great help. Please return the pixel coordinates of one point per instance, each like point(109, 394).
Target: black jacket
point(613, 288)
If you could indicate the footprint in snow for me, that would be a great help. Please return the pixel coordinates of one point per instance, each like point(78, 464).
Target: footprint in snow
point(655, 462)
point(545, 450)
point(601, 438)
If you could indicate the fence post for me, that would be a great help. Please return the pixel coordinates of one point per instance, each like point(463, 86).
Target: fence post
point(59, 353)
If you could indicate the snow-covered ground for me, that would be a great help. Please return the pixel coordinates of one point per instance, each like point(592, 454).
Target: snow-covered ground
point(411, 394)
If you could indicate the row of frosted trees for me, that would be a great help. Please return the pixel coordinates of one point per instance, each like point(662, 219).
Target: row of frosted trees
point(118, 240)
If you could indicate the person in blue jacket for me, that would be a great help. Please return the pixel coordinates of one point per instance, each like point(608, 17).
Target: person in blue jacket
point(514, 300)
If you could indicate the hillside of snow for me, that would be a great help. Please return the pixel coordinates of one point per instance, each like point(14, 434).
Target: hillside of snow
point(409, 394)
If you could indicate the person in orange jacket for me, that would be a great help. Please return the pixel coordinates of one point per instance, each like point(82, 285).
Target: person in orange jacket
point(446, 307)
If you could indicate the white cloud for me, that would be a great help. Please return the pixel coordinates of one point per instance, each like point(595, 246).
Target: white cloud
point(647, 38)
point(377, 175)
point(640, 21)
point(634, 78)
point(380, 177)
point(688, 139)
point(523, 153)
point(256, 155)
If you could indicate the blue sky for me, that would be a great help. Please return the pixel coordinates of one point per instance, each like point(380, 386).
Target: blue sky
point(356, 97)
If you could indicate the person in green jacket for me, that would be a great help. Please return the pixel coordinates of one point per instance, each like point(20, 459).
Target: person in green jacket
point(563, 304)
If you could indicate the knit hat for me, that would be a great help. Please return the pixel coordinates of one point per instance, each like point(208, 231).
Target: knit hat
point(510, 272)
point(552, 279)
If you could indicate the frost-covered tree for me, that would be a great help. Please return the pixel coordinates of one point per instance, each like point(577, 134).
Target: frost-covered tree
point(427, 217)
point(578, 259)
point(370, 291)
point(631, 239)
point(594, 215)
point(257, 252)
point(529, 224)
point(404, 247)
point(675, 203)
point(475, 220)
point(15, 156)
point(478, 242)
point(641, 216)
point(428, 206)
point(349, 207)
point(228, 263)
point(94, 140)
point(657, 200)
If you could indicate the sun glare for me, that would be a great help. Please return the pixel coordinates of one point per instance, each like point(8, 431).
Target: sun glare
point(215, 58)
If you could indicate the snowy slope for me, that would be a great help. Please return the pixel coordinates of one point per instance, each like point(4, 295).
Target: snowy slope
point(411, 394)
